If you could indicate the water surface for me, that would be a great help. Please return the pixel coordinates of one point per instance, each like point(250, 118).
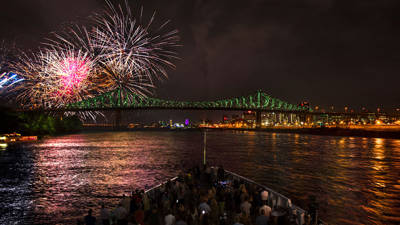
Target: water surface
point(356, 180)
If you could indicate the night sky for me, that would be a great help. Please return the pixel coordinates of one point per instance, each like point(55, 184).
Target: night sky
point(329, 52)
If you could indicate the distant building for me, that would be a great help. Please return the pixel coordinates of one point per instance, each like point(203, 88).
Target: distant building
point(249, 116)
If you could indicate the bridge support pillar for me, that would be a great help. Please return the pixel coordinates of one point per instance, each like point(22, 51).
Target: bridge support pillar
point(258, 119)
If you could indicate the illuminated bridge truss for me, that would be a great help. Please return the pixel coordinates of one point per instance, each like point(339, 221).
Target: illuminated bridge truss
point(116, 100)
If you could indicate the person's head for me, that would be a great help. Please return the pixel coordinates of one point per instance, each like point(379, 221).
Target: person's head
point(90, 212)
point(102, 205)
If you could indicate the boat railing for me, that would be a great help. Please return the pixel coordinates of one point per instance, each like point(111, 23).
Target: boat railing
point(150, 192)
point(276, 199)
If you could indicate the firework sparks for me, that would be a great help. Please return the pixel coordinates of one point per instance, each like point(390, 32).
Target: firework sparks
point(118, 52)
point(33, 91)
point(8, 80)
point(135, 51)
point(118, 75)
point(54, 78)
point(73, 72)
point(130, 55)
point(70, 72)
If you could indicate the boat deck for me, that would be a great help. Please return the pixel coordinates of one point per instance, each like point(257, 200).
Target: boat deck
point(283, 211)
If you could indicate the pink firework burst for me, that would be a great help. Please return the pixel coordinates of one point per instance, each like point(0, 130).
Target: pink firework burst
point(73, 73)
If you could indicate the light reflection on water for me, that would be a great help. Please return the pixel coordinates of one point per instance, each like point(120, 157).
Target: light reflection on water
point(356, 180)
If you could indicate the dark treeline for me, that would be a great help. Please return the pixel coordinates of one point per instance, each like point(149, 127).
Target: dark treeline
point(37, 123)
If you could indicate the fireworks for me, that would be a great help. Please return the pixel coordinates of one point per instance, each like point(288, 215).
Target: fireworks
point(118, 51)
point(130, 55)
point(71, 72)
point(52, 79)
point(9, 79)
point(118, 74)
point(32, 90)
point(143, 50)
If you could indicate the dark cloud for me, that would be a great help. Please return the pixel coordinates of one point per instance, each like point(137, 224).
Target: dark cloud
point(331, 52)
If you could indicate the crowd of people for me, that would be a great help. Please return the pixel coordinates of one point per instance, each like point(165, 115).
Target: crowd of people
point(198, 196)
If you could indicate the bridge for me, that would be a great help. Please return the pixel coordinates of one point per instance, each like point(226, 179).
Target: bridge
point(119, 100)
point(259, 102)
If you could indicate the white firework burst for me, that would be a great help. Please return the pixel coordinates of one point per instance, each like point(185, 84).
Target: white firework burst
point(135, 48)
